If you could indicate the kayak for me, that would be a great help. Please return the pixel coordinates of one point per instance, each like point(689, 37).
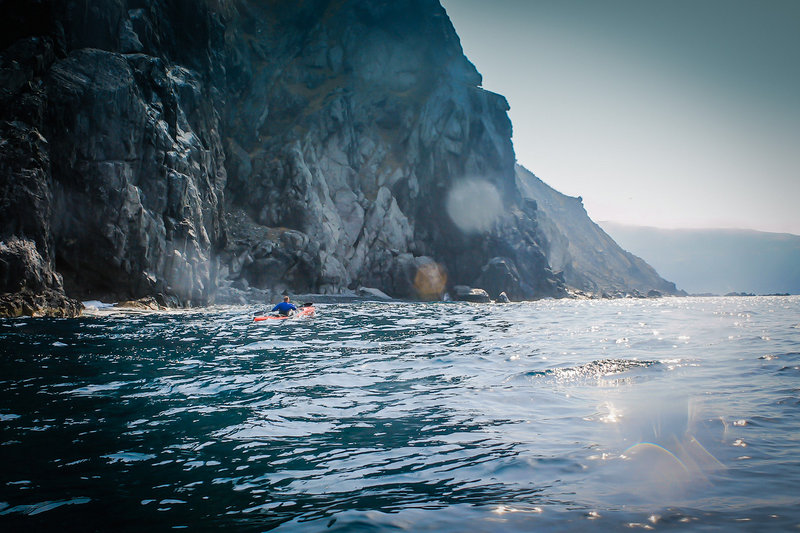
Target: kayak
point(305, 311)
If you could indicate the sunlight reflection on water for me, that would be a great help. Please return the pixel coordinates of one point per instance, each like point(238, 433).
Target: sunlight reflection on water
point(424, 417)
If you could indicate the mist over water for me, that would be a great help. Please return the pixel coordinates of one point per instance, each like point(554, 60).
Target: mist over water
point(550, 415)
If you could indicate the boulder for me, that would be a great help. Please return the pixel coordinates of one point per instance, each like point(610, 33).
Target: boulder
point(500, 275)
point(45, 302)
point(371, 292)
point(463, 293)
point(29, 286)
point(148, 303)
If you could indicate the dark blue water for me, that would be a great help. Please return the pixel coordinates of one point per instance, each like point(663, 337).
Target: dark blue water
point(679, 413)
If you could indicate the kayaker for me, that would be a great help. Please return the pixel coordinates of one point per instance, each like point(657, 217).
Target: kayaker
point(284, 307)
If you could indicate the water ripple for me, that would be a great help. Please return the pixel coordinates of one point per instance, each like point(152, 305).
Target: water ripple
point(379, 416)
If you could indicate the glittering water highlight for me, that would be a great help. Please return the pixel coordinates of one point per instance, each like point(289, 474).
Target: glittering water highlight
point(551, 415)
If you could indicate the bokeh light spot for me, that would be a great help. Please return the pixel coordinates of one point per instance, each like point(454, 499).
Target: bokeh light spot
point(430, 281)
point(474, 205)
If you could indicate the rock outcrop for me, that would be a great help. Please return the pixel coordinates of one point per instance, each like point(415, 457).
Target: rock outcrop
point(588, 258)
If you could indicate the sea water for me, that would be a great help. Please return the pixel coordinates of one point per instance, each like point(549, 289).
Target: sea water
point(565, 415)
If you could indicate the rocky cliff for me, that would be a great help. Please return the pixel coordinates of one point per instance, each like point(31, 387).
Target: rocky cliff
point(590, 260)
point(111, 163)
point(198, 150)
point(351, 128)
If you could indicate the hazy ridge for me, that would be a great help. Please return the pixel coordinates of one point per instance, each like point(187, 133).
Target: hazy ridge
point(717, 261)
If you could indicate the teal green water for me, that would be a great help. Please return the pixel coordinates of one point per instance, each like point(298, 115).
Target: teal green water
point(678, 413)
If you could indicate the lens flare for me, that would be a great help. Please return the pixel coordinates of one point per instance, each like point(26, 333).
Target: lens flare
point(474, 205)
point(656, 451)
point(430, 281)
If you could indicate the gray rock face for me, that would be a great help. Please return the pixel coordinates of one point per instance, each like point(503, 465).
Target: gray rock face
point(358, 131)
point(138, 188)
point(127, 158)
point(184, 147)
point(589, 259)
point(501, 276)
point(29, 283)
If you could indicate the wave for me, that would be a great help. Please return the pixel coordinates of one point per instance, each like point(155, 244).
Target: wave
point(594, 370)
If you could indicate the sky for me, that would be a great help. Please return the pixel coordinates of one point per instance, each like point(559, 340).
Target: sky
point(670, 113)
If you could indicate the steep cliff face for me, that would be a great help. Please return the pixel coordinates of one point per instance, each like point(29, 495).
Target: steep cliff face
point(125, 153)
point(172, 147)
point(355, 123)
point(590, 260)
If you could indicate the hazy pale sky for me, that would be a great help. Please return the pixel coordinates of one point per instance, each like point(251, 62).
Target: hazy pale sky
point(679, 113)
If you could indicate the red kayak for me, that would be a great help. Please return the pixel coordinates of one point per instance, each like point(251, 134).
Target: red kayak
point(305, 311)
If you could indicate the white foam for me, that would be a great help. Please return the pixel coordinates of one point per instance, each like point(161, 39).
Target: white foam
point(128, 457)
point(96, 304)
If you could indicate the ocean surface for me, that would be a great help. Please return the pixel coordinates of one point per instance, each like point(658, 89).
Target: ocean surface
point(663, 414)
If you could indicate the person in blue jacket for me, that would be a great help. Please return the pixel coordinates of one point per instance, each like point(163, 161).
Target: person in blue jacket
point(284, 308)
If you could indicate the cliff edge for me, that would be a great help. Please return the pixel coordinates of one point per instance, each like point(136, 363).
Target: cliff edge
point(591, 261)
